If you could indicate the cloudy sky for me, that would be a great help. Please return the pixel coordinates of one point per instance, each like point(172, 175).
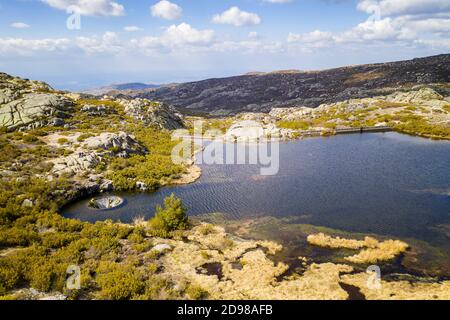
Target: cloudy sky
point(79, 44)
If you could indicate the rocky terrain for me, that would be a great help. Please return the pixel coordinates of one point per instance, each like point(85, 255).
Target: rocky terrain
point(420, 111)
point(261, 92)
point(57, 146)
point(79, 134)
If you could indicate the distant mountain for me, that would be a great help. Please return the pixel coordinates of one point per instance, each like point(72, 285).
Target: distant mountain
point(121, 87)
point(263, 91)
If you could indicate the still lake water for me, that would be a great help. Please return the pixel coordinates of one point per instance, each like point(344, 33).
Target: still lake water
point(380, 183)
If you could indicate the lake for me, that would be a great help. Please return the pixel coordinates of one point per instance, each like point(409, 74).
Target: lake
point(380, 183)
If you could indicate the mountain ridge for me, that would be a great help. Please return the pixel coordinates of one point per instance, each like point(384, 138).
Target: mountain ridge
point(260, 92)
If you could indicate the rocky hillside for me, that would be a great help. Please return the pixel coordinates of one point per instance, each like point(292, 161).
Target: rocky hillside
point(28, 104)
point(263, 91)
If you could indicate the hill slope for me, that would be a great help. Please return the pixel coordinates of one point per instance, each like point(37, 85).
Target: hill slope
point(264, 91)
point(121, 87)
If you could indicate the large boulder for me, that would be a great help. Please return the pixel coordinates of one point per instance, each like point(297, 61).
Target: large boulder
point(35, 110)
point(153, 113)
point(246, 130)
point(79, 161)
point(121, 144)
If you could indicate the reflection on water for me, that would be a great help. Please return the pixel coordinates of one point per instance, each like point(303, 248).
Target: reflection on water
point(361, 183)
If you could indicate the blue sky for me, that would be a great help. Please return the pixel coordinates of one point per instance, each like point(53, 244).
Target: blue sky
point(156, 41)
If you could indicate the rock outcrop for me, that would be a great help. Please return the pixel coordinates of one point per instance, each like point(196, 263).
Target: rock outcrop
point(79, 161)
point(29, 104)
point(91, 152)
point(120, 144)
point(97, 110)
point(35, 110)
point(153, 113)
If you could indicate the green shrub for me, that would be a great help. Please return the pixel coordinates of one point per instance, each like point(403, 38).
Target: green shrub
point(170, 218)
point(196, 292)
point(446, 108)
point(62, 140)
point(293, 125)
point(119, 281)
point(84, 136)
point(30, 138)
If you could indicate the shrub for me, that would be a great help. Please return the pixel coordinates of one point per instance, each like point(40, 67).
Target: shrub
point(446, 108)
point(30, 138)
point(293, 125)
point(172, 217)
point(196, 292)
point(62, 140)
point(205, 229)
point(84, 136)
point(119, 281)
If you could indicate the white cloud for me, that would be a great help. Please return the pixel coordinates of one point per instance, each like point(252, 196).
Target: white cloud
point(314, 39)
point(403, 7)
point(89, 7)
point(372, 30)
point(19, 25)
point(166, 10)
point(436, 43)
point(132, 28)
point(108, 43)
point(237, 18)
point(184, 33)
point(403, 22)
point(253, 35)
point(176, 37)
point(27, 47)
